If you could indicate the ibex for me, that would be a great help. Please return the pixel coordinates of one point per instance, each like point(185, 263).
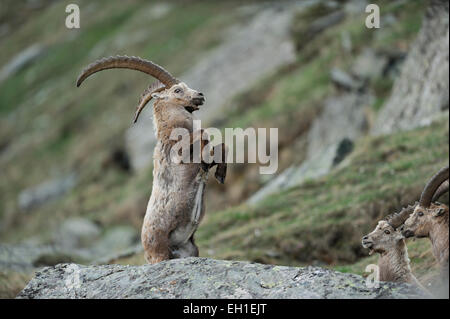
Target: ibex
point(431, 219)
point(387, 240)
point(176, 204)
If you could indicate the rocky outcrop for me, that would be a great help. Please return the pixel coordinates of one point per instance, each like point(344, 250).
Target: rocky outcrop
point(329, 140)
point(422, 91)
point(205, 278)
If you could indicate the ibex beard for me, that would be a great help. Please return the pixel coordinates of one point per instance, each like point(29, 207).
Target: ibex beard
point(176, 205)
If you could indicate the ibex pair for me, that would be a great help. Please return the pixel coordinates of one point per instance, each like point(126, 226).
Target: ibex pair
point(176, 205)
point(426, 218)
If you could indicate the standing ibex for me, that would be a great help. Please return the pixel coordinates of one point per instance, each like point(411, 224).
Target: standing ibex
point(176, 205)
point(387, 240)
point(431, 219)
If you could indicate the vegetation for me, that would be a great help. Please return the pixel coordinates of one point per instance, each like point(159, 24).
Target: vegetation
point(48, 127)
point(324, 220)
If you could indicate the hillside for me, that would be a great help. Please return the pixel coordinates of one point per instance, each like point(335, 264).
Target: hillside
point(77, 175)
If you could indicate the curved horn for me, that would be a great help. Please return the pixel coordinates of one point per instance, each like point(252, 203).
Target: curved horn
point(147, 96)
point(397, 219)
point(441, 191)
point(432, 186)
point(125, 62)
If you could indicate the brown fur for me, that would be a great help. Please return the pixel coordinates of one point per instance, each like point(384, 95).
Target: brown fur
point(393, 262)
point(176, 205)
point(432, 223)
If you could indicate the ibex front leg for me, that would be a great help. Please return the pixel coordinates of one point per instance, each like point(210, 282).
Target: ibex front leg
point(221, 170)
point(210, 156)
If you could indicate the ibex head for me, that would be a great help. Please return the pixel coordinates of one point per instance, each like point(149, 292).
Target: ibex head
point(427, 213)
point(387, 234)
point(382, 239)
point(181, 94)
point(167, 88)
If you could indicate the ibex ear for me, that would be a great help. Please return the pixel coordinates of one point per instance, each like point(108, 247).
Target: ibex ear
point(439, 212)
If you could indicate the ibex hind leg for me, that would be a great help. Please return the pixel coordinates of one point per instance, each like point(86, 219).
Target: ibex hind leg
point(189, 249)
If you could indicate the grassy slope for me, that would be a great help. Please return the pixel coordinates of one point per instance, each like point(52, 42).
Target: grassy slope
point(323, 220)
point(292, 97)
point(54, 127)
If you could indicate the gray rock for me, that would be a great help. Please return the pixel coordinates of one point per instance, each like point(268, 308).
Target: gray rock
point(46, 191)
point(21, 60)
point(205, 278)
point(355, 7)
point(27, 257)
point(369, 65)
point(84, 244)
point(115, 240)
point(342, 121)
point(76, 233)
point(91, 247)
point(421, 92)
point(345, 81)
point(323, 23)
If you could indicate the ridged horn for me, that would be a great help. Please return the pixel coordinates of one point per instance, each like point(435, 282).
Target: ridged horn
point(147, 96)
point(125, 62)
point(397, 219)
point(441, 191)
point(432, 186)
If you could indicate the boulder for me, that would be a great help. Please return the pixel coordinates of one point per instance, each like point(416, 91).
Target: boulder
point(46, 191)
point(25, 258)
point(193, 278)
point(76, 232)
point(83, 243)
point(421, 92)
point(329, 140)
point(345, 81)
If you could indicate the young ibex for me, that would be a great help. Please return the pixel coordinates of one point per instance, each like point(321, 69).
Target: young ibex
point(176, 205)
point(430, 219)
point(387, 240)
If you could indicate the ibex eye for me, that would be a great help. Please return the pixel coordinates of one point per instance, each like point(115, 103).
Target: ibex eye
point(387, 232)
point(177, 91)
point(420, 213)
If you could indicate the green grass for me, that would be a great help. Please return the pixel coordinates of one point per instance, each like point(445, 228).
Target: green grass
point(58, 60)
point(64, 128)
point(323, 220)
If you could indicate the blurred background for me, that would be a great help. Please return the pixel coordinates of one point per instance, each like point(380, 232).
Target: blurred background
point(362, 117)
